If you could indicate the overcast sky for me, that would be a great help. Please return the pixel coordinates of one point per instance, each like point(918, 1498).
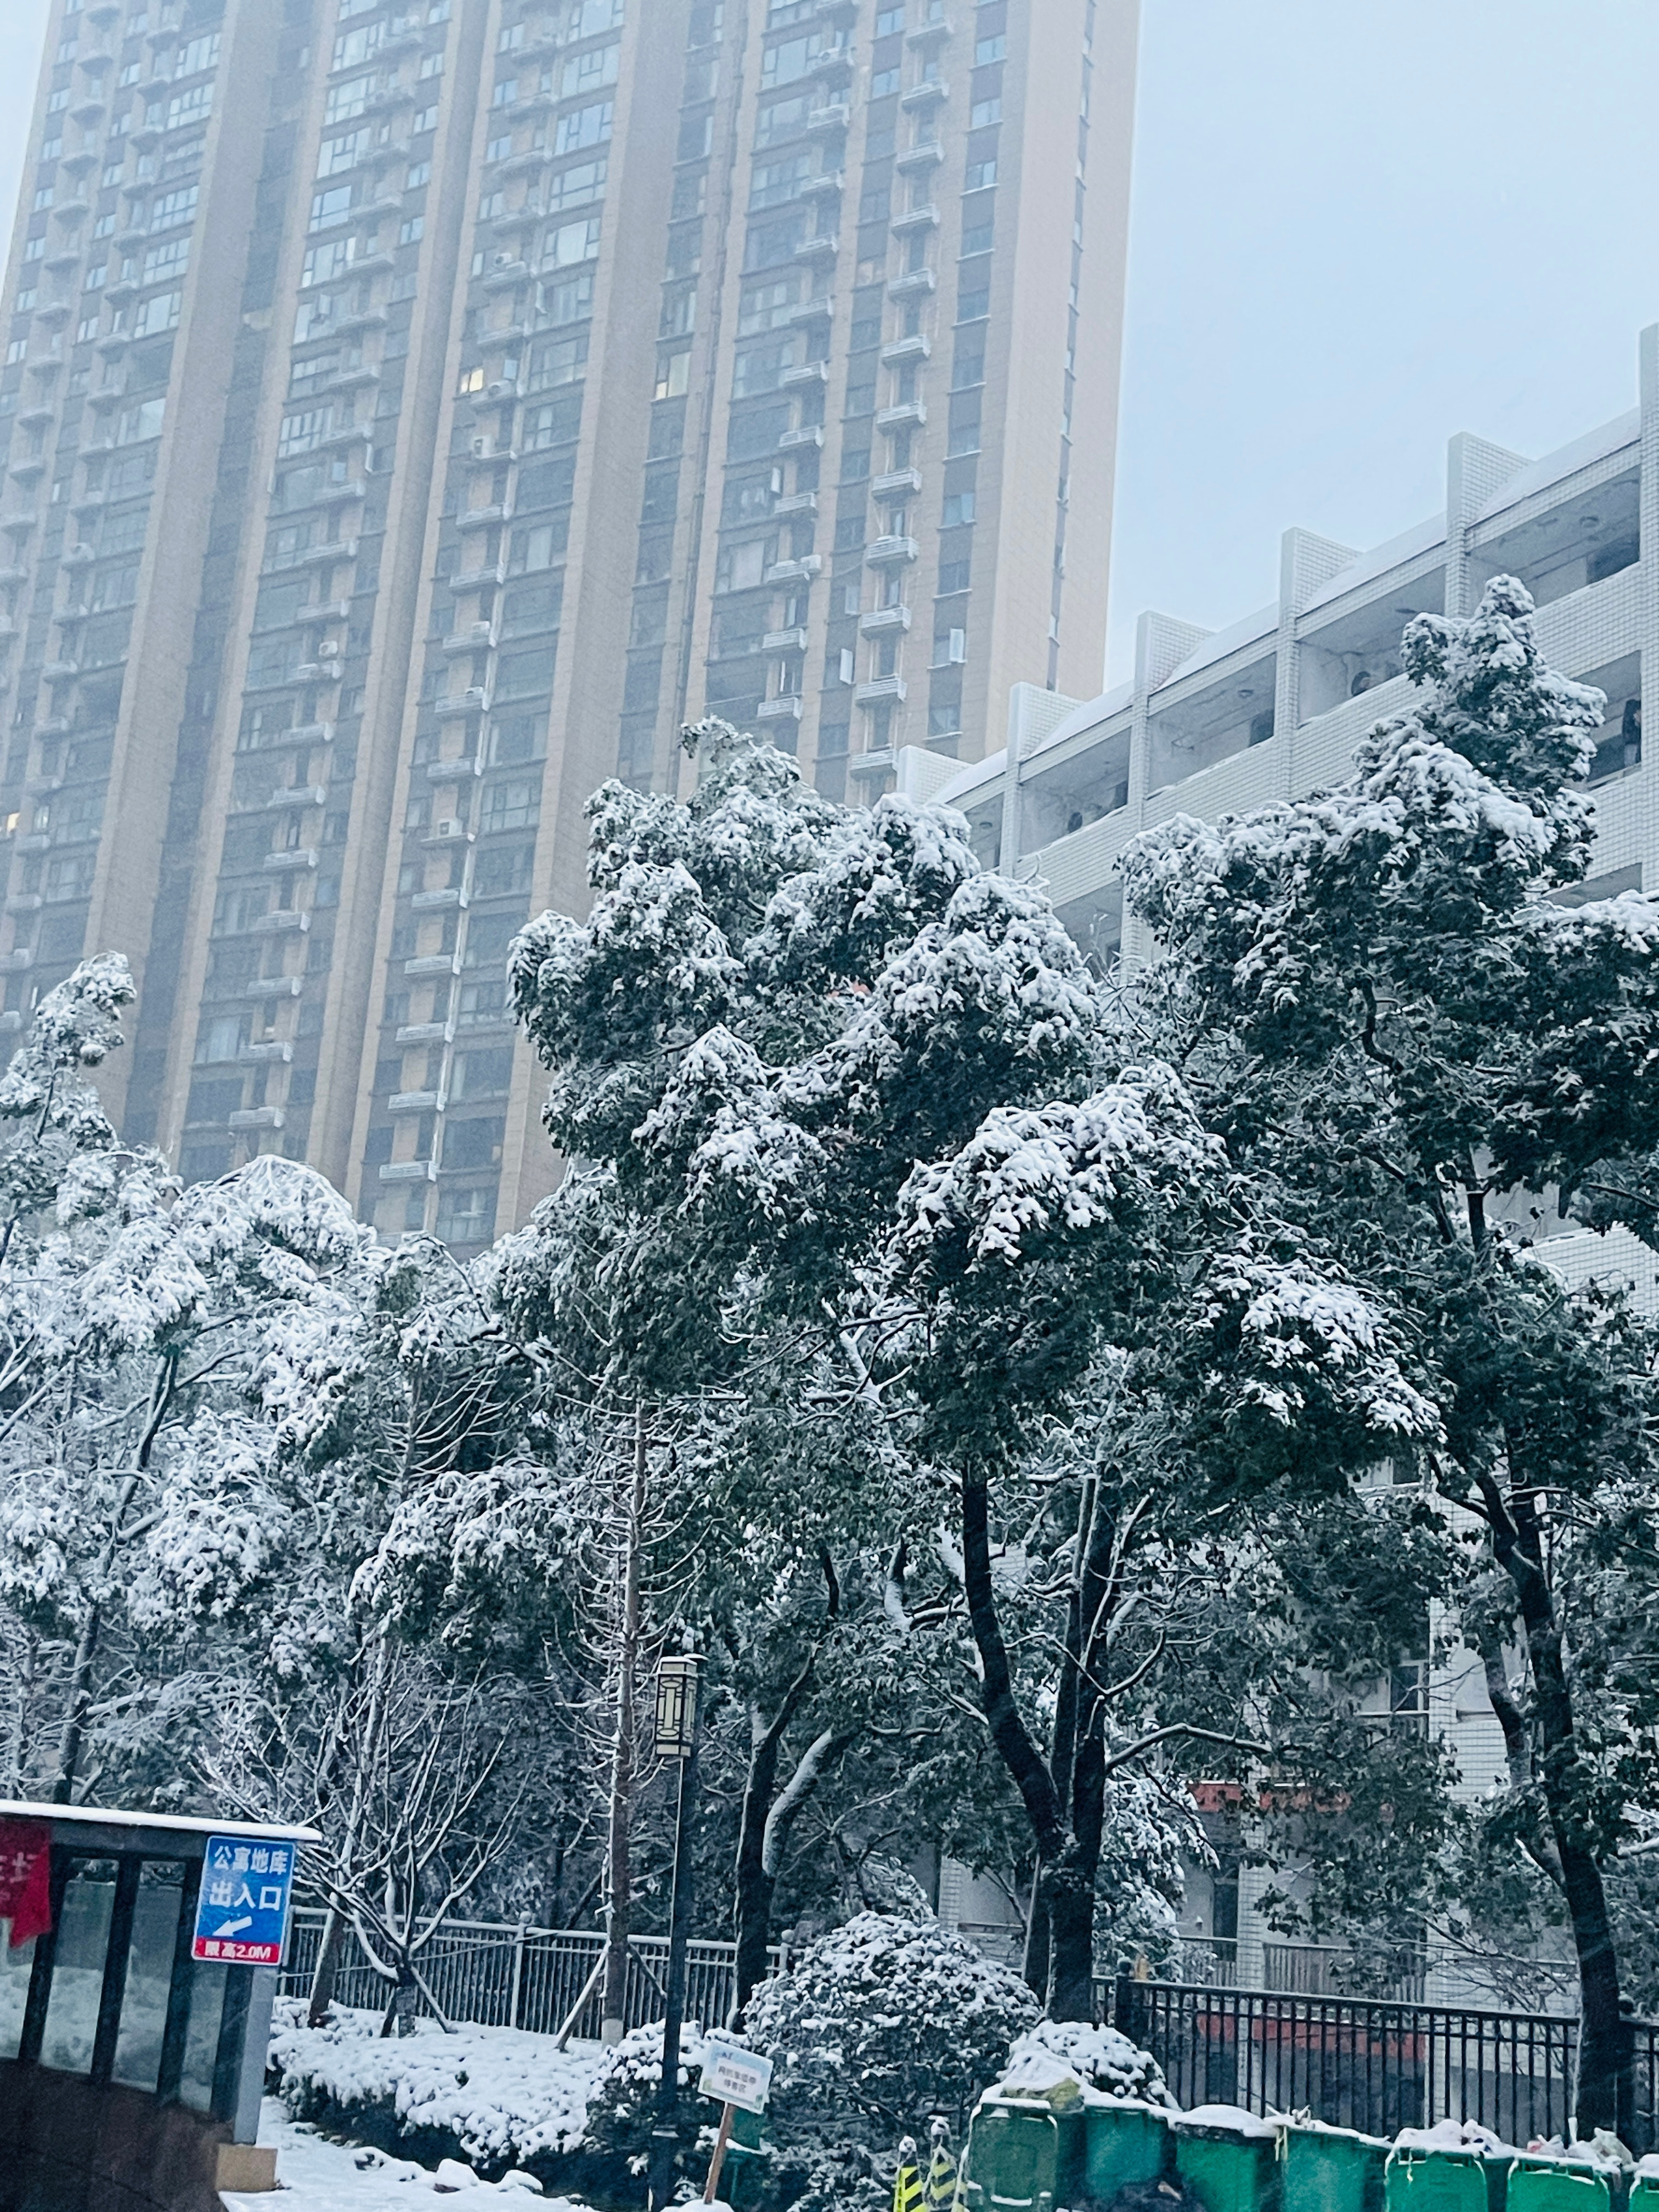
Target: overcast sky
point(1356, 228)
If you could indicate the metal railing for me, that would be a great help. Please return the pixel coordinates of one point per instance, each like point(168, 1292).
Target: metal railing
point(524, 1977)
point(1375, 2063)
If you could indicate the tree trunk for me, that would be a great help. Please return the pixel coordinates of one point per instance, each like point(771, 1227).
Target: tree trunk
point(753, 1889)
point(1065, 1883)
point(613, 2009)
point(1604, 2041)
point(326, 1974)
point(1034, 1964)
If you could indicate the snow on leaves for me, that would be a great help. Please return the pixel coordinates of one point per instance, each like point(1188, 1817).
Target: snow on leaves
point(1030, 1177)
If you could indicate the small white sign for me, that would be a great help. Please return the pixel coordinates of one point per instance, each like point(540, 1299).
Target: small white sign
point(733, 2075)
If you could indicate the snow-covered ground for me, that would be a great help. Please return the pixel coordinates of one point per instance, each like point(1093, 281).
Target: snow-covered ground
point(316, 2175)
point(505, 2094)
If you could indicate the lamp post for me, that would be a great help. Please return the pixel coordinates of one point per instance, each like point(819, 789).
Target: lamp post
point(676, 1739)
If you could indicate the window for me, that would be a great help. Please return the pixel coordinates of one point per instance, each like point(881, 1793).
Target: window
point(347, 99)
point(980, 176)
point(411, 230)
point(571, 243)
point(955, 575)
point(883, 82)
point(169, 260)
point(192, 106)
point(765, 305)
point(741, 568)
point(774, 183)
point(465, 1217)
point(515, 805)
point(673, 374)
point(330, 207)
point(301, 432)
point(761, 367)
point(560, 362)
point(342, 153)
point(170, 208)
point(990, 50)
point(788, 59)
point(584, 181)
point(584, 127)
point(985, 111)
point(487, 1074)
point(586, 72)
point(160, 311)
point(782, 118)
point(888, 19)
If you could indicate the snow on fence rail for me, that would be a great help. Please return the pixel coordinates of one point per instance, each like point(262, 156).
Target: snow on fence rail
point(1373, 2063)
point(524, 1977)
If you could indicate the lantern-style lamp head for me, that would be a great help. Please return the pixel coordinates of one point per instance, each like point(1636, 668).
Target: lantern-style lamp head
point(676, 1704)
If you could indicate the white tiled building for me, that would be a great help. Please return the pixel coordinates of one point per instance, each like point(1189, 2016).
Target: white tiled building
point(1271, 708)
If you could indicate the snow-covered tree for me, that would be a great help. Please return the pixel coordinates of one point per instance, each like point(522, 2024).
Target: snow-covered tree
point(1382, 1004)
point(830, 1081)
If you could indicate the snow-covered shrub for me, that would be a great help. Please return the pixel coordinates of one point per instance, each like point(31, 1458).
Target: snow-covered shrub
point(881, 2024)
point(621, 2104)
point(1099, 2057)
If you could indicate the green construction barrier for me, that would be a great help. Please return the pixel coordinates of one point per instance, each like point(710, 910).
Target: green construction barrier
point(1125, 2142)
point(1444, 2181)
point(1023, 2157)
point(1230, 2164)
point(745, 2170)
point(1332, 2170)
point(1551, 2184)
point(1644, 2192)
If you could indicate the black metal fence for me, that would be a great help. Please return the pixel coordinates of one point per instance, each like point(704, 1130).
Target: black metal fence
point(1372, 2063)
point(529, 1978)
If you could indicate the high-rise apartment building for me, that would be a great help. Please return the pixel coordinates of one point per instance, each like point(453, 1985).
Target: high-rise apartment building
point(417, 408)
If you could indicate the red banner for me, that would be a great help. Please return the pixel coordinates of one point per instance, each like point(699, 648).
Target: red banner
point(25, 1878)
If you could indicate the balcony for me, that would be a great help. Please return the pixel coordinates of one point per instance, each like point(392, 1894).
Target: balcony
point(448, 896)
point(433, 963)
point(887, 552)
point(475, 700)
point(880, 691)
point(299, 794)
point(257, 1117)
point(805, 373)
point(475, 579)
point(908, 414)
point(824, 248)
point(416, 1101)
point(426, 1033)
point(409, 1171)
point(912, 282)
point(934, 32)
point(796, 572)
point(284, 922)
point(881, 621)
point(302, 857)
point(796, 503)
point(896, 482)
point(273, 987)
point(278, 1049)
point(477, 637)
point(786, 707)
point(928, 94)
point(482, 518)
point(452, 771)
point(784, 641)
point(911, 220)
point(791, 441)
point(814, 311)
point(828, 186)
point(15, 962)
point(835, 115)
point(916, 346)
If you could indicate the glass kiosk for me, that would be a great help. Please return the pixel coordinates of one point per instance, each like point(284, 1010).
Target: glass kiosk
point(131, 2071)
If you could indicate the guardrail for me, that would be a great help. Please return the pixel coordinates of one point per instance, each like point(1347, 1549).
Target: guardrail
point(526, 1977)
point(1375, 2063)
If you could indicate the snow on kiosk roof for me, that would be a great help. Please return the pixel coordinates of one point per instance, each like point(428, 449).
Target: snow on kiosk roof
point(130, 2068)
point(185, 1833)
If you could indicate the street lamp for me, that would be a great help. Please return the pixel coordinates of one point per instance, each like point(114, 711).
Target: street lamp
point(676, 1739)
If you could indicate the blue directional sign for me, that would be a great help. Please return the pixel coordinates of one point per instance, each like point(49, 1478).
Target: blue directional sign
point(241, 1914)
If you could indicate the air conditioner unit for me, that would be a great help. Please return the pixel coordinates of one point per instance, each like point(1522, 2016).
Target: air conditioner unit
point(503, 260)
point(481, 449)
point(449, 827)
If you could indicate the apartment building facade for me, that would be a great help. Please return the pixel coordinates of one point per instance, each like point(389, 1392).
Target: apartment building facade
point(1269, 709)
point(417, 408)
